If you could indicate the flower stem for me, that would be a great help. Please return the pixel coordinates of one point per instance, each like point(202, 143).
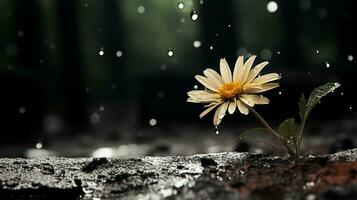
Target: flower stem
point(272, 132)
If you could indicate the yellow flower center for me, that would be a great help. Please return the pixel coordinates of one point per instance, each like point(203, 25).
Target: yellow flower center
point(229, 91)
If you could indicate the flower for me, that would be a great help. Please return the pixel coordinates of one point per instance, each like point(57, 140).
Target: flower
point(228, 92)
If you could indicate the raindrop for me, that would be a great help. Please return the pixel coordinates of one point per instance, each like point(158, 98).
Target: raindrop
point(278, 52)
point(22, 110)
point(195, 87)
point(322, 12)
point(350, 107)
point(229, 25)
point(114, 86)
point(272, 6)
point(160, 94)
point(216, 130)
point(317, 51)
point(85, 4)
point(101, 108)
point(180, 5)
point(141, 9)
point(12, 49)
point(39, 145)
point(52, 46)
point(196, 43)
point(170, 53)
point(211, 47)
point(266, 54)
point(194, 15)
point(101, 52)
point(119, 54)
point(309, 73)
point(327, 64)
point(280, 92)
point(201, 2)
point(305, 4)
point(349, 57)
point(94, 118)
point(20, 33)
point(342, 93)
point(153, 122)
point(163, 67)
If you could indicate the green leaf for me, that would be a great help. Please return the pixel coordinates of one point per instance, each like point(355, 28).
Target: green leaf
point(316, 96)
point(250, 132)
point(287, 128)
point(302, 107)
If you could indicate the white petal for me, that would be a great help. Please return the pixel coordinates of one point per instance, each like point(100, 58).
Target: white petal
point(267, 78)
point(214, 76)
point(242, 107)
point(225, 71)
point(255, 71)
point(219, 114)
point(249, 87)
point(232, 107)
point(265, 87)
point(207, 83)
point(202, 96)
point(247, 66)
point(209, 109)
point(247, 100)
point(258, 99)
point(238, 68)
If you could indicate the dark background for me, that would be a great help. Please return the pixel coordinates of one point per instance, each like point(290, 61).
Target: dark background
point(56, 87)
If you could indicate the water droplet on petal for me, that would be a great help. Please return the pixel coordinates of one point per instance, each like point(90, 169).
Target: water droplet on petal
point(194, 15)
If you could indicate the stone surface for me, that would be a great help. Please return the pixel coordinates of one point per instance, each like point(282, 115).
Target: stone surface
point(204, 176)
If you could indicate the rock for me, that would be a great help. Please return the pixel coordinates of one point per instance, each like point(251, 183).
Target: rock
point(206, 176)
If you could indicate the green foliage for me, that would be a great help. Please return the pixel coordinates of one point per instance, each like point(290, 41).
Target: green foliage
point(314, 98)
point(302, 107)
point(287, 129)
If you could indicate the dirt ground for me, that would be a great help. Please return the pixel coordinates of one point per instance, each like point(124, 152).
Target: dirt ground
point(205, 176)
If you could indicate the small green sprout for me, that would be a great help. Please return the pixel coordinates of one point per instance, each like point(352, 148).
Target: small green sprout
point(240, 90)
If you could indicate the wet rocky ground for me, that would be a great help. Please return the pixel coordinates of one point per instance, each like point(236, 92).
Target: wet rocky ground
point(205, 176)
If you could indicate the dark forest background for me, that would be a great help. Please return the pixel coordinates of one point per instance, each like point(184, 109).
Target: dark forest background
point(70, 68)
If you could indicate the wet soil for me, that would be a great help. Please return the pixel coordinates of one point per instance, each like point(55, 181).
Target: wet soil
point(205, 176)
